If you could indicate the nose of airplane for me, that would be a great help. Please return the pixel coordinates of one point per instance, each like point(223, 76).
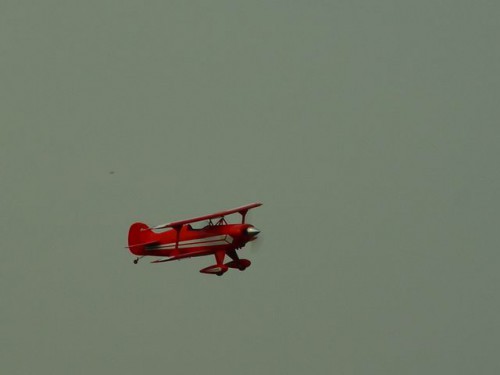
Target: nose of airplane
point(252, 231)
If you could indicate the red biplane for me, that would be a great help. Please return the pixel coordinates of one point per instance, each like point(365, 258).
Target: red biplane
point(217, 238)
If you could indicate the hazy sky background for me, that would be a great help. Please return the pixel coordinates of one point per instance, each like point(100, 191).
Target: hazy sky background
point(369, 129)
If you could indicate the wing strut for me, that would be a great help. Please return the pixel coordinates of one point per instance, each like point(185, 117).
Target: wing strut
point(243, 213)
point(177, 229)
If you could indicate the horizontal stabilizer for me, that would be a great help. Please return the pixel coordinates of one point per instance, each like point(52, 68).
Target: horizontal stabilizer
point(149, 243)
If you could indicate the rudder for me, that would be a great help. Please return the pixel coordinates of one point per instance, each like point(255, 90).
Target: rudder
point(137, 238)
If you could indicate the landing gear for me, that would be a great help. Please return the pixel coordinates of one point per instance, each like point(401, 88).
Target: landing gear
point(239, 264)
point(136, 260)
point(215, 270)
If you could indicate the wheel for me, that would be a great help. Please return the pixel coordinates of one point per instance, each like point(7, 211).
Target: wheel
point(220, 273)
point(136, 260)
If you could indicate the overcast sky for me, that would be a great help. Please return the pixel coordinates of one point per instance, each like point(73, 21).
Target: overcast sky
point(369, 130)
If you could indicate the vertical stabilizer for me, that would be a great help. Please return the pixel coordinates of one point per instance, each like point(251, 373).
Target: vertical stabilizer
point(137, 238)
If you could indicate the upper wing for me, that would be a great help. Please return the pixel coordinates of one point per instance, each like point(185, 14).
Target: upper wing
point(242, 210)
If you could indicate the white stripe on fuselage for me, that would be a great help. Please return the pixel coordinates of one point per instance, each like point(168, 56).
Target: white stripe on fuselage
point(199, 242)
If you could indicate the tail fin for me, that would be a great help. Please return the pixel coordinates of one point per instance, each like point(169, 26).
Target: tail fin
point(138, 237)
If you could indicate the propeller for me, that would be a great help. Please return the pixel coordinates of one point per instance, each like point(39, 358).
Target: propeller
point(255, 246)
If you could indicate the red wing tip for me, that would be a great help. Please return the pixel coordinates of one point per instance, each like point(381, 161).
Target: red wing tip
point(252, 205)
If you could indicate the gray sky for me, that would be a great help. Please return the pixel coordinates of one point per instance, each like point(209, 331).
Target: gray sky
point(369, 129)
